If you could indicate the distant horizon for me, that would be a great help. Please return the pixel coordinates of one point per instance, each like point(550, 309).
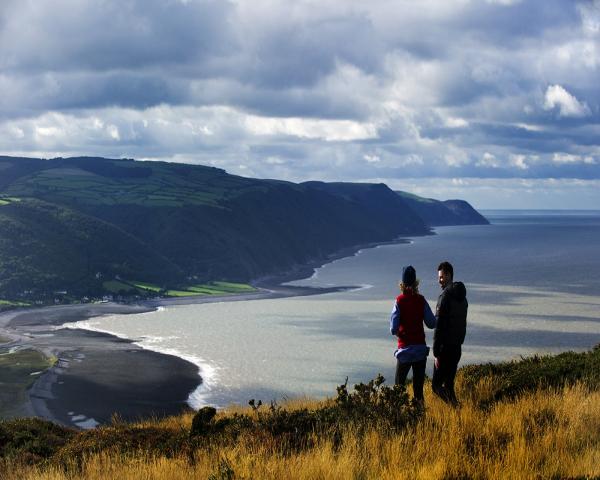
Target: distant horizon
point(539, 210)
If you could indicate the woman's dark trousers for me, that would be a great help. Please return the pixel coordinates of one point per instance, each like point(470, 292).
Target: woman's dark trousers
point(442, 382)
point(418, 369)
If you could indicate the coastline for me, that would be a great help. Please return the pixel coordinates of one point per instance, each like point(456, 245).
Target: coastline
point(97, 375)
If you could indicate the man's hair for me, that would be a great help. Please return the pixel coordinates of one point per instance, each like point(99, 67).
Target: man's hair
point(446, 267)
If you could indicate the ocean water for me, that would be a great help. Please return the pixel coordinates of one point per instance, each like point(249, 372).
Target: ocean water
point(533, 283)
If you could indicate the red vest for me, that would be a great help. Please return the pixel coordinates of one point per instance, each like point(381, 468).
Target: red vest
point(412, 308)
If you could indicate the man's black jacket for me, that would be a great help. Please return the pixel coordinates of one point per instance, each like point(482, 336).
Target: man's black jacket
point(451, 314)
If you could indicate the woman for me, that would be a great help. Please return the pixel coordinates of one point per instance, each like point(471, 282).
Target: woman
point(411, 310)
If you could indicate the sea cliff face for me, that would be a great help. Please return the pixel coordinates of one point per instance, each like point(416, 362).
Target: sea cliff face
point(436, 213)
point(72, 224)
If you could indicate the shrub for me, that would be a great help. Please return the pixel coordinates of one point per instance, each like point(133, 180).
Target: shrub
point(124, 438)
point(371, 405)
point(31, 440)
point(510, 379)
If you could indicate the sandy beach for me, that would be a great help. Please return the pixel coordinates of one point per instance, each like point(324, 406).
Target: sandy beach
point(97, 376)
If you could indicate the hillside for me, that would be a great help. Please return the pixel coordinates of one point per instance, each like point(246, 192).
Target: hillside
point(49, 248)
point(376, 201)
point(533, 418)
point(182, 224)
point(436, 213)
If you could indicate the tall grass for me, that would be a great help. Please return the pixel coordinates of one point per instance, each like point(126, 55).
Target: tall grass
point(547, 433)
point(533, 418)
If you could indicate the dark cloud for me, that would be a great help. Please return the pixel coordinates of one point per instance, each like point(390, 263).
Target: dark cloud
point(344, 91)
point(66, 35)
point(300, 55)
point(510, 25)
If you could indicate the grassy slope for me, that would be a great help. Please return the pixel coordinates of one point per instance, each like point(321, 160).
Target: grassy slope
point(213, 288)
point(52, 247)
point(125, 182)
point(145, 288)
point(11, 303)
point(208, 223)
point(543, 432)
point(438, 213)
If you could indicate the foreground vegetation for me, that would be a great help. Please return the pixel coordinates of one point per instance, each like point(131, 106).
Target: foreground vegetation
point(538, 430)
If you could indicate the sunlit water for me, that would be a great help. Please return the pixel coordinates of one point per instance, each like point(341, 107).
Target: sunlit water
point(533, 280)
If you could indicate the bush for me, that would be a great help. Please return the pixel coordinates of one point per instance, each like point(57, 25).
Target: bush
point(371, 405)
point(510, 379)
point(123, 438)
point(31, 440)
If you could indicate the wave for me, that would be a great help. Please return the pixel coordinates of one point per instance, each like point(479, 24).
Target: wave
point(207, 372)
point(158, 309)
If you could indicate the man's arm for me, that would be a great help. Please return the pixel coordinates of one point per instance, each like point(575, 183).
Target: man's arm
point(428, 316)
point(441, 324)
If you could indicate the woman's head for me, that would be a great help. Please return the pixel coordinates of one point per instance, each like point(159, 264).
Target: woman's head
point(409, 280)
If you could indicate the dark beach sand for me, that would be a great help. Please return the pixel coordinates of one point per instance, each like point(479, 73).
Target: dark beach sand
point(102, 375)
point(98, 375)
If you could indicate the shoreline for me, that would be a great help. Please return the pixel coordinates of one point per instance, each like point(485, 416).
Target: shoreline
point(92, 366)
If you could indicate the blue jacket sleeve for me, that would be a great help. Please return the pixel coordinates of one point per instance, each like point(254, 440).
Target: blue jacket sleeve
point(395, 319)
point(428, 316)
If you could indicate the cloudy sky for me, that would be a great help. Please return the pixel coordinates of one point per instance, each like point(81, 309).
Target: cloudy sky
point(494, 101)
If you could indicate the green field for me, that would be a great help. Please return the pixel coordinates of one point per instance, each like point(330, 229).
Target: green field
point(10, 303)
point(182, 293)
point(212, 288)
point(146, 286)
point(216, 288)
point(233, 287)
point(161, 189)
point(163, 186)
point(115, 286)
point(18, 371)
point(8, 200)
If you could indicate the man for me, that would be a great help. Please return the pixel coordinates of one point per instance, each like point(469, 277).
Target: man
point(449, 335)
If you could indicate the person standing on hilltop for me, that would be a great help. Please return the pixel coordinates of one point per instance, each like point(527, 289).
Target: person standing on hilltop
point(449, 335)
point(410, 311)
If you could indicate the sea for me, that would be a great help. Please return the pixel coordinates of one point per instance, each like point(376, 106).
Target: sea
point(533, 286)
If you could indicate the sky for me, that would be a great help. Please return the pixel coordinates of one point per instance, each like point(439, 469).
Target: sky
point(493, 101)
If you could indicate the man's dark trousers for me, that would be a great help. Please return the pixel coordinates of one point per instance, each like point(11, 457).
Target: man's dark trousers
point(442, 382)
point(418, 369)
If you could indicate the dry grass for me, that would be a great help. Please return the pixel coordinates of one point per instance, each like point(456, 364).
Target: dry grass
point(544, 434)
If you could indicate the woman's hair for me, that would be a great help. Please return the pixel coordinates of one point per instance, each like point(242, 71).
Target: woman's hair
point(405, 288)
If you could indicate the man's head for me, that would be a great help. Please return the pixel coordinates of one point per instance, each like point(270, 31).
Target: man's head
point(445, 274)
